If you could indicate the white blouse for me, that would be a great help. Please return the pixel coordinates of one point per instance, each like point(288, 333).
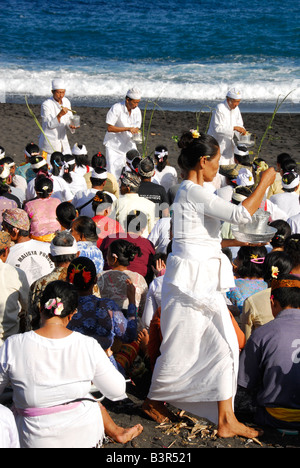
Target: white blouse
point(46, 372)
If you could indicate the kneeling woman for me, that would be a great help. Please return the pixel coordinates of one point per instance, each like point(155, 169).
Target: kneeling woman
point(197, 368)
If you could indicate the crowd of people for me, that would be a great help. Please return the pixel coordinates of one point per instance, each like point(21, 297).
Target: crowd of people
point(117, 259)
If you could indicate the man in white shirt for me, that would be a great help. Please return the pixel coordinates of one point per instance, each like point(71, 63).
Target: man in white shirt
point(14, 292)
point(226, 121)
point(123, 120)
point(56, 119)
point(29, 255)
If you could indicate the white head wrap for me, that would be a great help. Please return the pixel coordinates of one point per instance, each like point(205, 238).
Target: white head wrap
point(2, 154)
point(238, 197)
point(292, 184)
point(134, 93)
point(39, 164)
point(240, 152)
point(56, 250)
point(95, 175)
point(76, 151)
point(161, 154)
point(234, 93)
point(58, 83)
point(245, 177)
point(6, 172)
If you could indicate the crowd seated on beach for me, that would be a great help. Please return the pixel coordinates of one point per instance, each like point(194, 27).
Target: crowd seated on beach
point(81, 251)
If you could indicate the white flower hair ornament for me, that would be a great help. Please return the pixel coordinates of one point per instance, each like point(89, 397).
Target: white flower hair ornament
point(56, 304)
point(195, 133)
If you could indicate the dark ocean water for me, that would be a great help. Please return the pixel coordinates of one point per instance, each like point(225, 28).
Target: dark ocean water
point(182, 54)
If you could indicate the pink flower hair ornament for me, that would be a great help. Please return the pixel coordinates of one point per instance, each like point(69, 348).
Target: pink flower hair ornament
point(55, 303)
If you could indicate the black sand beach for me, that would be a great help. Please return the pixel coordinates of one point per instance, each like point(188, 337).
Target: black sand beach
point(18, 128)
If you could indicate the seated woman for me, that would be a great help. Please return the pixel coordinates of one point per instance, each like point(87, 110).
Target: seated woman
point(136, 224)
point(257, 308)
point(101, 318)
point(113, 283)
point(283, 232)
point(165, 174)
point(51, 370)
point(42, 211)
point(249, 276)
point(102, 206)
point(66, 214)
point(288, 201)
point(84, 230)
point(76, 182)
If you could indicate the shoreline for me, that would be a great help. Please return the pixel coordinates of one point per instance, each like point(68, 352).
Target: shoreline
point(19, 128)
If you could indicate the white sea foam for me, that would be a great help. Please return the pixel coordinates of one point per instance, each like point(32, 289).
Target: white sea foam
point(189, 83)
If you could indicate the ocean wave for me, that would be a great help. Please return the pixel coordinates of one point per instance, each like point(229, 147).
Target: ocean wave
point(188, 83)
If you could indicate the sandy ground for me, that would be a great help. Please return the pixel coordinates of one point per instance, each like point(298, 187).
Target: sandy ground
point(18, 128)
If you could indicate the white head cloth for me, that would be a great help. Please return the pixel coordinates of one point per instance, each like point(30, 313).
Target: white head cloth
point(134, 93)
point(58, 83)
point(2, 154)
point(76, 151)
point(39, 164)
point(238, 197)
point(5, 172)
point(240, 152)
point(234, 93)
point(56, 250)
point(245, 177)
point(95, 175)
point(292, 184)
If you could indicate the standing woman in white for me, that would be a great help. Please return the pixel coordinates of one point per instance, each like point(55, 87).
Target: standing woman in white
point(198, 365)
point(123, 120)
point(56, 119)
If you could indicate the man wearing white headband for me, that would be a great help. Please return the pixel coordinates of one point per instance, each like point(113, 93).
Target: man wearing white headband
point(83, 199)
point(123, 120)
point(63, 250)
point(56, 119)
point(226, 121)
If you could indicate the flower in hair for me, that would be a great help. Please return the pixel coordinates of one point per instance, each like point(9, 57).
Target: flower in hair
point(86, 275)
point(195, 133)
point(275, 271)
point(56, 304)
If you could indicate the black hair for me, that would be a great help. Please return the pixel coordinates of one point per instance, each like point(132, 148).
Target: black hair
point(136, 221)
point(146, 165)
point(10, 228)
point(43, 187)
point(37, 159)
point(7, 160)
point(276, 265)
point(59, 290)
point(67, 176)
point(292, 248)
point(193, 149)
point(56, 161)
point(86, 226)
point(98, 160)
point(288, 297)
point(125, 251)
point(249, 268)
point(95, 180)
point(64, 239)
point(131, 180)
point(243, 159)
point(66, 213)
point(101, 201)
point(288, 165)
point(283, 231)
point(241, 190)
point(160, 165)
point(81, 159)
point(32, 148)
point(82, 273)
